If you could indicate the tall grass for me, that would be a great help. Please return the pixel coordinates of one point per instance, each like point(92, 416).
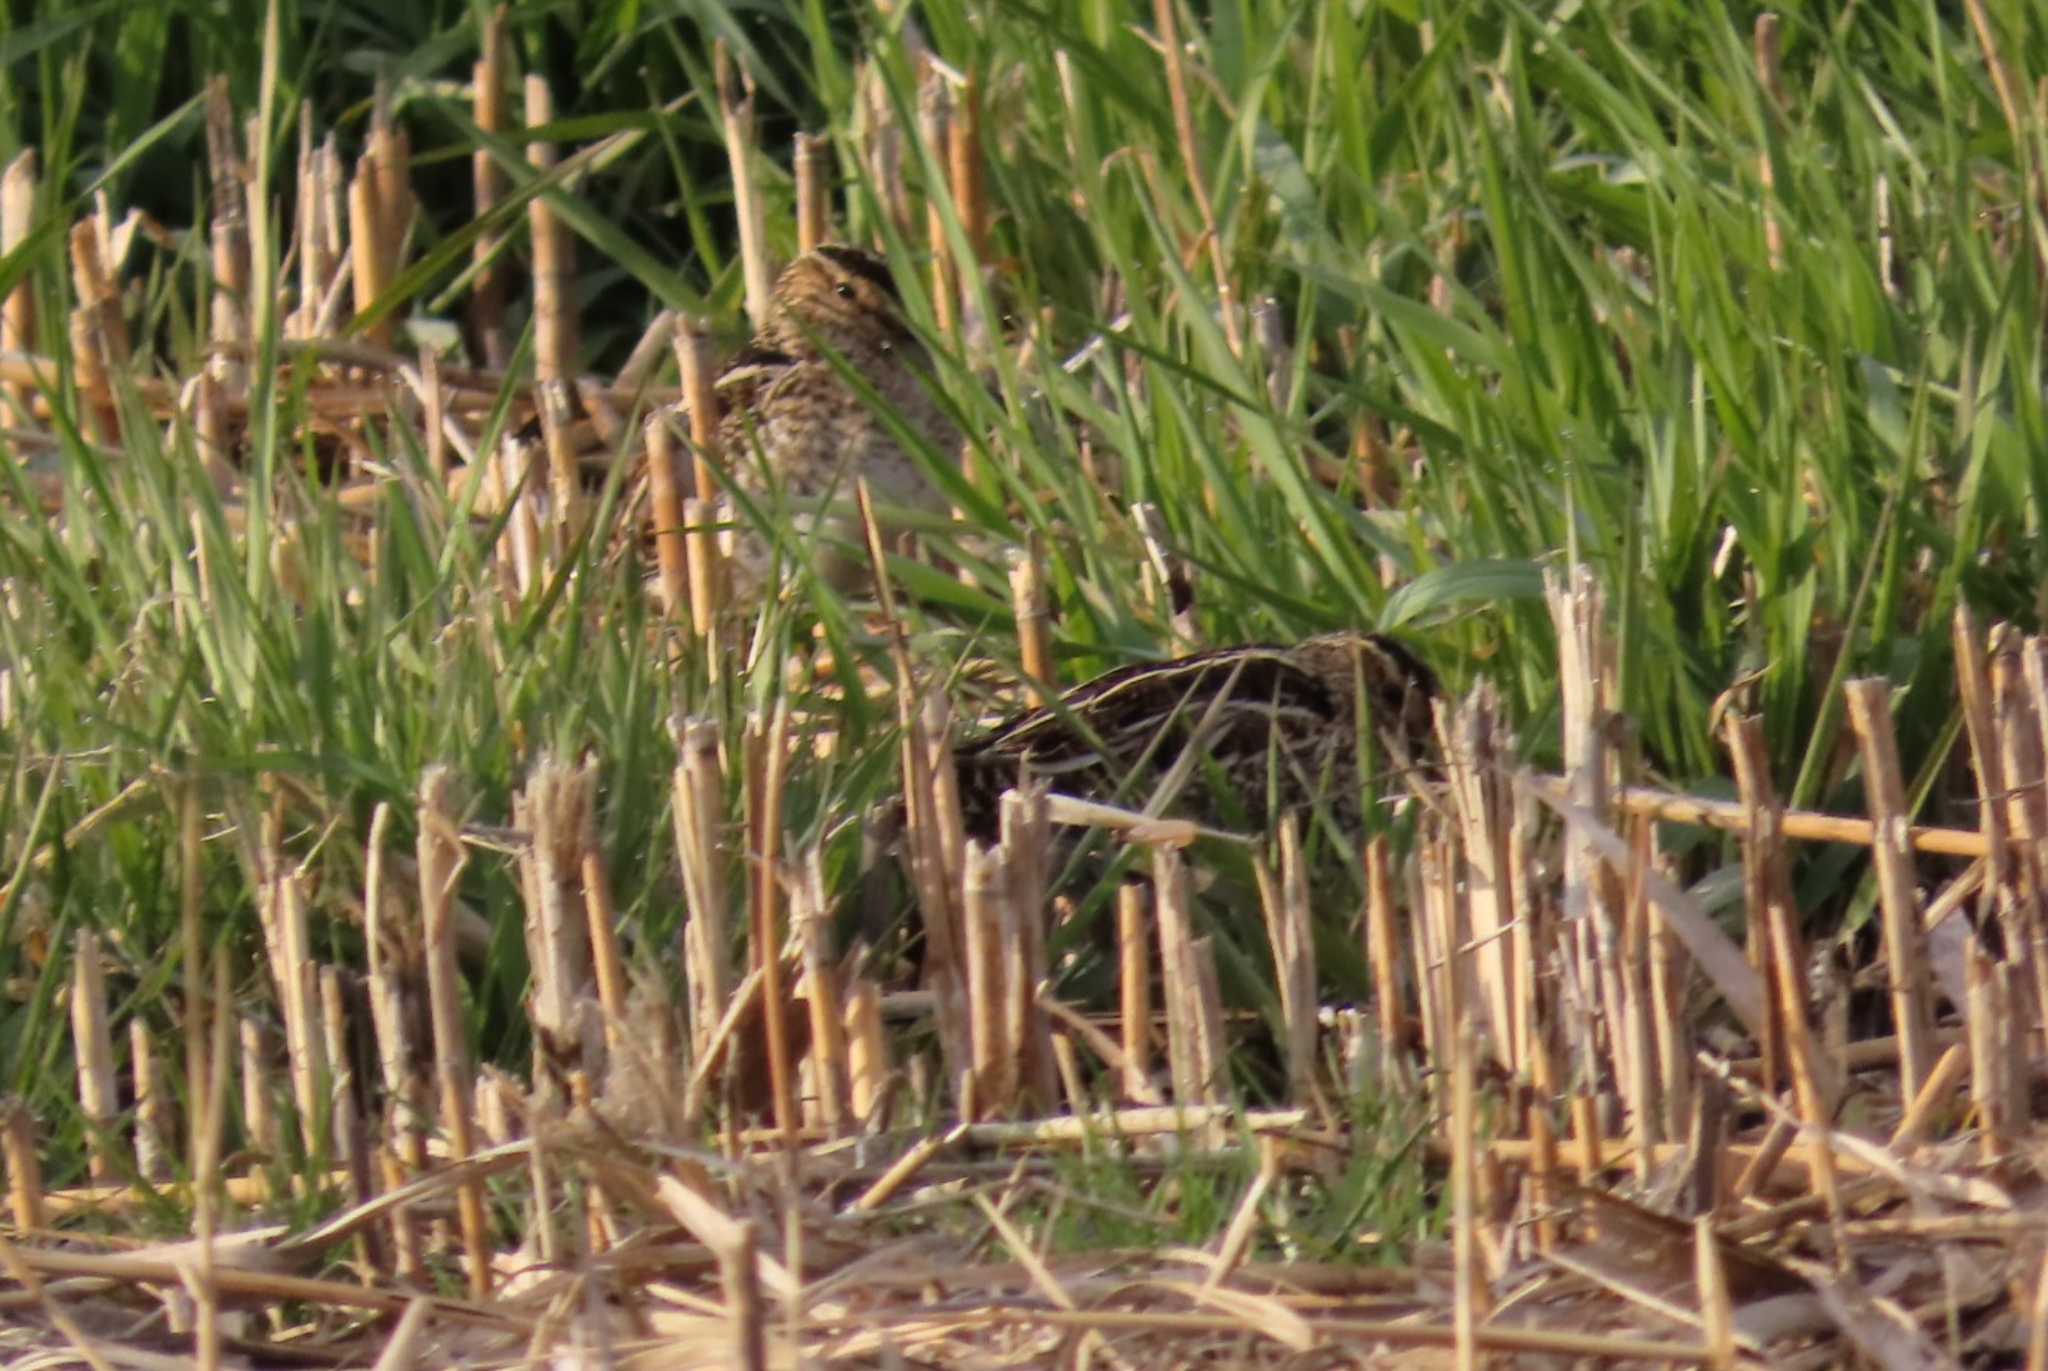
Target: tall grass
point(1524, 247)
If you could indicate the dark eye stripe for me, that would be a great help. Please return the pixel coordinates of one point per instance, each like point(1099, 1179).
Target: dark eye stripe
point(869, 268)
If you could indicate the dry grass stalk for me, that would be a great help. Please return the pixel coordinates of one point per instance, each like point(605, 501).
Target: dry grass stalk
point(698, 790)
point(17, 218)
point(564, 503)
point(1134, 988)
point(369, 270)
point(1542, 1160)
point(24, 1165)
point(1767, 74)
point(390, 156)
point(736, 112)
point(259, 1120)
point(95, 386)
point(345, 1128)
point(1989, 1068)
point(98, 1093)
point(1905, 945)
point(555, 810)
point(1477, 753)
point(151, 1110)
point(606, 963)
point(932, 828)
point(1671, 1022)
point(989, 921)
point(309, 234)
point(1024, 824)
point(1801, 824)
point(1034, 619)
point(554, 254)
point(1383, 953)
point(1191, 989)
point(2018, 732)
point(392, 937)
point(810, 914)
point(867, 1052)
point(1284, 900)
point(1586, 675)
point(1973, 690)
point(441, 859)
point(1426, 949)
point(1470, 1303)
point(1192, 168)
point(665, 515)
point(299, 996)
point(1766, 881)
point(488, 82)
point(1636, 1032)
point(700, 399)
point(1816, 1086)
point(812, 162)
point(99, 295)
point(764, 822)
point(2026, 936)
point(228, 232)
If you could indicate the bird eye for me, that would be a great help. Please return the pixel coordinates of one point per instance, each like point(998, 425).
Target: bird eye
point(845, 291)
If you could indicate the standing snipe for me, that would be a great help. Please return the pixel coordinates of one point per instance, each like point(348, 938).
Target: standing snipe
point(796, 435)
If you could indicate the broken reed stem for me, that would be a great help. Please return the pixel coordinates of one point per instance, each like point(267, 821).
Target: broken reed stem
point(441, 859)
point(1024, 824)
point(391, 158)
point(1585, 670)
point(736, 110)
point(487, 283)
point(554, 809)
point(1468, 1277)
point(698, 805)
point(98, 1094)
point(700, 540)
point(554, 253)
point(18, 311)
point(984, 883)
point(228, 232)
point(1384, 955)
point(1034, 619)
point(765, 819)
point(1475, 753)
point(151, 1160)
point(24, 1165)
point(1284, 899)
point(1973, 690)
point(812, 168)
point(1905, 944)
point(867, 1052)
point(810, 914)
point(1134, 985)
point(192, 952)
point(1813, 1085)
point(1717, 1316)
point(1800, 824)
point(1767, 47)
point(366, 251)
point(963, 155)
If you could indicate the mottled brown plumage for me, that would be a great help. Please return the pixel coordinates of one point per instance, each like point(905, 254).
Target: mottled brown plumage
point(1276, 727)
point(797, 436)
